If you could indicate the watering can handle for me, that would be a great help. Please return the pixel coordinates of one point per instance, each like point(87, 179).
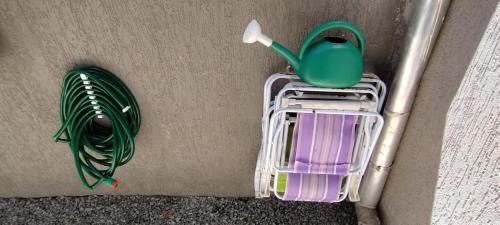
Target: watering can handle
point(334, 25)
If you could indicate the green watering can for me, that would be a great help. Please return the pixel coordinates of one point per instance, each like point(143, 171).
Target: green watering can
point(332, 62)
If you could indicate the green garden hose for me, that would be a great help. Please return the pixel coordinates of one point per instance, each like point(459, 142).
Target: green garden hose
point(89, 94)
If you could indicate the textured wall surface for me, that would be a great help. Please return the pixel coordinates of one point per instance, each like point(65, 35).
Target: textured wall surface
point(409, 192)
point(468, 186)
point(198, 87)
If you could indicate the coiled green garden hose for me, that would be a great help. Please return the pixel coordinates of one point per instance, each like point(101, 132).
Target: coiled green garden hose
point(88, 94)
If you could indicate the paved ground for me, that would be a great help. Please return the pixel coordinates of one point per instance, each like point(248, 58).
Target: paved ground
point(170, 210)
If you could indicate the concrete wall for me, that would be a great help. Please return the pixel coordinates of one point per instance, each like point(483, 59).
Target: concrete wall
point(409, 192)
point(199, 88)
point(468, 186)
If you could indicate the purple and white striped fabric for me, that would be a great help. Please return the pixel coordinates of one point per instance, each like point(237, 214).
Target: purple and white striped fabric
point(320, 156)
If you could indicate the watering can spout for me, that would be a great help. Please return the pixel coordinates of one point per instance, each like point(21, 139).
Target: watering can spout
point(289, 56)
point(253, 33)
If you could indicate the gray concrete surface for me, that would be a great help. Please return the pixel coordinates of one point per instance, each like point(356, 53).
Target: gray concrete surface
point(468, 185)
point(198, 86)
point(170, 210)
point(409, 192)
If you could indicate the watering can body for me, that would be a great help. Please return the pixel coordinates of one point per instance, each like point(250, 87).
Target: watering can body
point(331, 62)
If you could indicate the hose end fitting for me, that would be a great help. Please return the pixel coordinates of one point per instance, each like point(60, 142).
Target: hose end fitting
point(112, 183)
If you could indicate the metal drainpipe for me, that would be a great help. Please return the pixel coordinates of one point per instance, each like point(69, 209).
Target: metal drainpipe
point(420, 38)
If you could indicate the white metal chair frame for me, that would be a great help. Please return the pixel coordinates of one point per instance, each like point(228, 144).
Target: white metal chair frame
point(278, 100)
point(275, 127)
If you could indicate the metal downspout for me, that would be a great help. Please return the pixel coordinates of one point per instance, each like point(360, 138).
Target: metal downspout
point(421, 35)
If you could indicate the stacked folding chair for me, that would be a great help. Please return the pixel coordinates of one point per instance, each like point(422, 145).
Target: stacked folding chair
point(316, 142)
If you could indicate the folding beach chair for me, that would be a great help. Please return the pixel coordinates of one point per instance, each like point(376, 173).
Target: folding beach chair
point(288, 127)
